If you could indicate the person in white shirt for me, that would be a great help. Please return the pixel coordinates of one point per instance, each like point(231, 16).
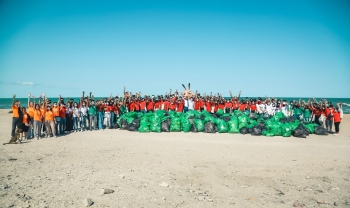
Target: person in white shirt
point(84, 113)
point(76, 115)
point(190, 104)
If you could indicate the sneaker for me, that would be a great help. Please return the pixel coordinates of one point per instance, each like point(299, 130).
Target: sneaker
point(335, 134)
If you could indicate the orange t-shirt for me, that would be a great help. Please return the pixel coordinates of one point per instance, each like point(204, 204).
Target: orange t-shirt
point(31, 111)
point(15, 111)
point(42, 110)
point(37, 115)
point(25, 118)
point(49, 116)
point(56, 111)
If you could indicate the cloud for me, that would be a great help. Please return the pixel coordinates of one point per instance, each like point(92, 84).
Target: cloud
point(25, 83)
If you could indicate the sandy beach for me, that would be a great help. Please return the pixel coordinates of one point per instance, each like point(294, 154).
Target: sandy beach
point(175, 170)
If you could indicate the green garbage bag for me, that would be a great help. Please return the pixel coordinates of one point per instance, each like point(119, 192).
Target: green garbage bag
point(311, 127)
point(286, 130)
point(268, 133)
point(220, 112)
point(277, 131)
point(295, 124)
point(129, 119)
point(233, 126)
point(156, 127)
point(243, 121)
point(222, 126)
point(209, 118)
point(144, 119)
point(199, 124)
point(159, 113)
point(278, 116)
point(185, 124)
point(175, 124)
point(144, 127)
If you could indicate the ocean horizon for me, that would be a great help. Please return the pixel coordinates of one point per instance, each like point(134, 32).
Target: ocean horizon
point(5, 103)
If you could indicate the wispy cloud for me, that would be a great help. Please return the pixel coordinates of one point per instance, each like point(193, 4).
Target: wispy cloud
point(18, 83)
point(25, 83)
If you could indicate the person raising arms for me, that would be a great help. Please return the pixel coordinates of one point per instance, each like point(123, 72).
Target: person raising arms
point(16, 111)
point(31, 115)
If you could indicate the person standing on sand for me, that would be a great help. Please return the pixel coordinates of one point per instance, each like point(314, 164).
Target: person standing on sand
point(37, 121)
point(24, 124)
point(69, 117)
point(329, 118)
point(50, 121)
point(16, 111)
point(31, 114)
point(337, 119)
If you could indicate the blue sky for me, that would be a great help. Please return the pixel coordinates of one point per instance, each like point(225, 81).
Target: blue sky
point(274, 48)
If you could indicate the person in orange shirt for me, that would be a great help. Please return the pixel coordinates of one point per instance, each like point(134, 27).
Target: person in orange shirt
point(56, 112)
point(50, 121)
point(30, 111)
point(16, 111)
point(37, 121)
point(25, 123)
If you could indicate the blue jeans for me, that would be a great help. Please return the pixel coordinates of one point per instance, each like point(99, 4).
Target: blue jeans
point(112, 118)
point(75, 123)
point(185, 109)
point(100, 120)
point(62, 125)
point(83, 122)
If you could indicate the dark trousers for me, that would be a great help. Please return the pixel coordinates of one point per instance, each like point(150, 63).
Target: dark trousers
point(336, 125)
point(15, 123)
point(317, 119)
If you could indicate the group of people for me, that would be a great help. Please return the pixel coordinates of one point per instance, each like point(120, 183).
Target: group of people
point(44, 117)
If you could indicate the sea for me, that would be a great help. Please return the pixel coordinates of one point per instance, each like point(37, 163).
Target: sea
point(5, 103)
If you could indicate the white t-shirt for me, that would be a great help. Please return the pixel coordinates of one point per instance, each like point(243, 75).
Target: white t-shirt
point(190, 105)
point(84, 110)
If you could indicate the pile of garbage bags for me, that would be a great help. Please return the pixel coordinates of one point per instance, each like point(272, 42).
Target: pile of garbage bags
point(236, 122)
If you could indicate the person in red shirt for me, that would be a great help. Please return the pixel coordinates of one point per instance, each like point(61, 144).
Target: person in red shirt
point(242, 106)
point(172, 106)
point(228, 107)
point(337, 120)
point(157, 105)
point(180, 104)
point(137, 106)
point(143, 105)
point(329, 118)
point(62, 114)
point(207, 104)
point(253, 107)
point(166, 105)
point(197, 105)
point(150, 105)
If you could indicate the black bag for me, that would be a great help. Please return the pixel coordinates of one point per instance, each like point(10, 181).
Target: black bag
point(244, 130)
point(301, 131)
point(209, 127)
point(226, 118)
point(256, 131)
point(319, 130)
point(134, 125)
point(166, 126)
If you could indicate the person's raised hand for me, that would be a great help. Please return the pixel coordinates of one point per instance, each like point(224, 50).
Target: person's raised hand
point(29, 95)
point(14, 95)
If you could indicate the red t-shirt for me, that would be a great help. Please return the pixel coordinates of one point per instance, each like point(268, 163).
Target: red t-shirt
point(166, 105)
point(180, 106)
point(137, 106)
point(63, 112)
point(150, 105)
point(208, 106)
point(142, 105)
point(221, 106)
point(172, 106)
point(336, 116)
point(253, 107)
point(228, 105)
point(242, 107)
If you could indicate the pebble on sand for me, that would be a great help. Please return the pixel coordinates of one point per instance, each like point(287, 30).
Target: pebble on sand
point(106, 191)
point(163, 184)
point(87, 202)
